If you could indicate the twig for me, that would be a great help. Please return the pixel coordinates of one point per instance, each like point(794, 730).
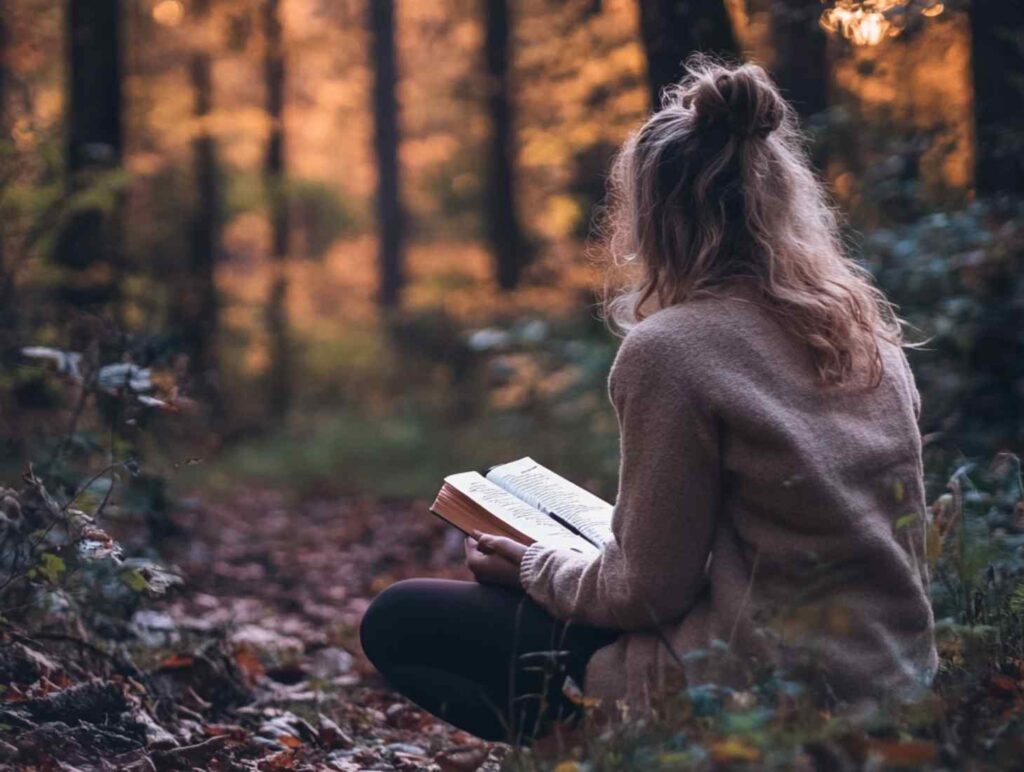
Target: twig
point(746, 599)
point(87, 384)
point(85, 486)
point(64, 638)
point(57, 516)
point(190, 755)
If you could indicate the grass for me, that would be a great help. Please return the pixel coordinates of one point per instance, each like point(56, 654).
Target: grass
point(407, 456)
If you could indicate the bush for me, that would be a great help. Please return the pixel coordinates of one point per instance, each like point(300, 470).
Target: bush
point(959, 279)
point(59, 567)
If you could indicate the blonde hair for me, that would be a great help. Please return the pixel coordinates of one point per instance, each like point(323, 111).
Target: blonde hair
point(716, 188)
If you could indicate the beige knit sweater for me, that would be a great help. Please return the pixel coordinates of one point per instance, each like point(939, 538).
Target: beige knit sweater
point(761, 518)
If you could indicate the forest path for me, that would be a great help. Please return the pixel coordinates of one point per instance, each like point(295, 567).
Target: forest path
point(286, 585)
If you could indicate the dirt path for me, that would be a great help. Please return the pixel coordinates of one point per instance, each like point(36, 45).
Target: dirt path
point(288, 585)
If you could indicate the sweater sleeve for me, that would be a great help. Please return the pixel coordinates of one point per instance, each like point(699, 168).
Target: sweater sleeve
point(663, 522)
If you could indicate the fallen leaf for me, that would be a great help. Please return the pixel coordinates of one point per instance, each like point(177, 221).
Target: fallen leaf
point(913, 753)
point(734, 750)
point(249, 663)
point(331, 735)
point(467, 759)
point(1005, 684)
point(234, 731)
point(281, 760)
point(177, 661)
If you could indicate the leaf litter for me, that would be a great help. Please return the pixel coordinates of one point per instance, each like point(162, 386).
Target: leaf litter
point(253, 662)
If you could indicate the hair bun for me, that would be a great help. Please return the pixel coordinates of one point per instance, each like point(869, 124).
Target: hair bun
point(742, 100)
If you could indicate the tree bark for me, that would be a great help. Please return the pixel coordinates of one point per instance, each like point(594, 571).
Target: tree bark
point(5, 277)
point(279, 385)
point(997, 38)
point(801, 55)
point(200, 304)
point(503, 229)
point(997, 356)
point(88, 247)
point(9, 311)
point(672, 30)
point(390, 217)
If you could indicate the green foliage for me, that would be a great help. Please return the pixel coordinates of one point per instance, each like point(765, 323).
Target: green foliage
point(440, 398)
point(958, 277)
point(59, 566)
point(318, 214)
point(50, 567)
point(455, 191)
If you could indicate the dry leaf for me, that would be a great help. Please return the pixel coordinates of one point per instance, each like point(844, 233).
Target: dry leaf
point(734, 750)
point(176, 661)
point(467, 759)
point(905, 754)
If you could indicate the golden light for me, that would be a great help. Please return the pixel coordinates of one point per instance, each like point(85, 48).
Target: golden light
point(863, 23)
point(869, 22)
point(170, 13)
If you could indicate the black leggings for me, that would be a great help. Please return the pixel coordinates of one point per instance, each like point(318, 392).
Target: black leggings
point(485, 658)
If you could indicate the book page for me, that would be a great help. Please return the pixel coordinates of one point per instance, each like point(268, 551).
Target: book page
point(519, 514)
point(552, 494)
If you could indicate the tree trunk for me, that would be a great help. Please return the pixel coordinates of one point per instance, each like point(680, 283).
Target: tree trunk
point(997, 356)
point(997, 38)
point(88, 246)
point(199, 304)
point(390, 219)
point(5, 137)
point(801, 55)
point(8, 309)
point(672, 30)
point(279, 386)
point(503, 230)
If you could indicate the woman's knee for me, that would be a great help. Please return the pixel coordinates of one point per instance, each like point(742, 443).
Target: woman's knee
point(380, 627)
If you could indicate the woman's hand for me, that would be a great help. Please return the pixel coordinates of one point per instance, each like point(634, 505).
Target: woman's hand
point(494, 559)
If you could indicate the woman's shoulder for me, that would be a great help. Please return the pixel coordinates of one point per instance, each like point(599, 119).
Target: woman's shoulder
point(712, 326)
point(728, 349)
point(695, 342)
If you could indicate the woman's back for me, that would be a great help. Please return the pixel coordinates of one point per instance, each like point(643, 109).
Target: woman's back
point(817, 556)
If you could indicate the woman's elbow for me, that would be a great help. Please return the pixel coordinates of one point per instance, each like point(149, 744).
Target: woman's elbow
point(653, 604)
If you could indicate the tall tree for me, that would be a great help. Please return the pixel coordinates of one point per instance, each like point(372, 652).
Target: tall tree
point(997, 37)
point(279, 377)
point(801, 54)
point(199, 301)
point(88, 245)
point(7, 314)
point(4, 135)
point(673, 29)
point(390, 218)
point(997, 357)
point(503, 229)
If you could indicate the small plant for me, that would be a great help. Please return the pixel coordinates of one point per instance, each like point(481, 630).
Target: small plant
point(58, 564)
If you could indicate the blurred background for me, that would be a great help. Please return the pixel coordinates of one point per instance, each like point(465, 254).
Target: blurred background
point(350, 246)
point(270, 269)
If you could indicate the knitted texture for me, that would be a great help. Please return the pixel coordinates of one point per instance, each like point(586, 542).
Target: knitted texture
point(762, 518)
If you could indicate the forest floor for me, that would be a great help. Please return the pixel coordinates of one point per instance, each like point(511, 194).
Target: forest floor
point(255, 663)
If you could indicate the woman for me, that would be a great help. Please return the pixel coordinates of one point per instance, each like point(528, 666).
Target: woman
point(770, 511)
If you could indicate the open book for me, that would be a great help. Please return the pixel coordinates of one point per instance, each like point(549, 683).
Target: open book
point(526, 502)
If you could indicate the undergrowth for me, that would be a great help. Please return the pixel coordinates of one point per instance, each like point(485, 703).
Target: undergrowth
point(973, 716)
